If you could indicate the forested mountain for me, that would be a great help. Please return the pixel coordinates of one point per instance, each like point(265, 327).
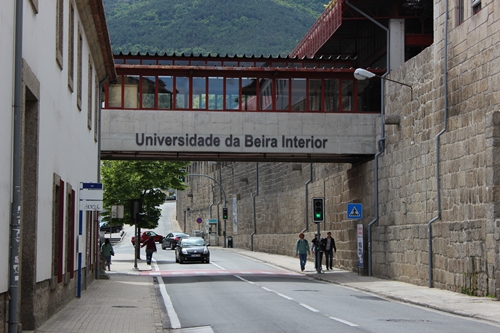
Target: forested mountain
point(251, 27)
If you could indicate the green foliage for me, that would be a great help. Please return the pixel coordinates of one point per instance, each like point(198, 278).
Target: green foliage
point(232, 27)
point(146, 180)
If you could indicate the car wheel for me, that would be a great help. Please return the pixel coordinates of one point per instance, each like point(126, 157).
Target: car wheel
point(181, 261)
point(207, 261)
point(163, 248)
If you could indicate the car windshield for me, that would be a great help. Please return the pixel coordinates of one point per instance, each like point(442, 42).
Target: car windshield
point(181, 235)
point(193, 242)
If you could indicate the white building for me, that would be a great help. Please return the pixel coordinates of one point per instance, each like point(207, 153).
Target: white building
point(65, 56)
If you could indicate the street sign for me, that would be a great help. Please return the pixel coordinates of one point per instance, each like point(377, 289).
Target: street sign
point(354, 211)
point(212, 221)
point(91, 196)
point(199, 220)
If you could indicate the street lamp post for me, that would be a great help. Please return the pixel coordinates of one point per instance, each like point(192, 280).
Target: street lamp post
point(363, 74)
point(224, 193)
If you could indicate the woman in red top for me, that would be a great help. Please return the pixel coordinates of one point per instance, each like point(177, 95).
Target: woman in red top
point(150, 248)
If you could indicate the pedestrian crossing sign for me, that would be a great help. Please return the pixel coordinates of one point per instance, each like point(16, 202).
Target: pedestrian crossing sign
point(354, 211)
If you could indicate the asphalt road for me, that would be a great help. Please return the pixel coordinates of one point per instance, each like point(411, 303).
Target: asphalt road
point(235, 293)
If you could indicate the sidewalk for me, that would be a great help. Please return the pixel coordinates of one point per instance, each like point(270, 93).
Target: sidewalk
point(129, 302)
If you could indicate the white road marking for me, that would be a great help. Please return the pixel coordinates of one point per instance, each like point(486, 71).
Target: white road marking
point(174, 319)
point(344, 321)
point(309, 307)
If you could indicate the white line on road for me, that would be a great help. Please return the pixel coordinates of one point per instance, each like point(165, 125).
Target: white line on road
point(309, 307)
point(174, 320)
point(344, 321)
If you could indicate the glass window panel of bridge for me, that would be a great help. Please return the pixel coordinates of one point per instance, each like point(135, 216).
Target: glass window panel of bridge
point(315, 94)
point(181, 92)
point(282, 94)
point(115, 93)
point(331, 95)
point(248, 93)
point(215, 93)
point(299, 94)
point(232, 93)
point(131, 92)
point(148, 92)
point(347, 95)
point(199, 95)
point(266, 94)
point(165, 92)
point(369, 96)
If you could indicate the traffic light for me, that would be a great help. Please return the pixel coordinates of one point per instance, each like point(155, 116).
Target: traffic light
point(318, 209)
point(182, 178)
point(224, 213)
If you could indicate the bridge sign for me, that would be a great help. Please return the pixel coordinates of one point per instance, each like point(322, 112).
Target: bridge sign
point(354, 211)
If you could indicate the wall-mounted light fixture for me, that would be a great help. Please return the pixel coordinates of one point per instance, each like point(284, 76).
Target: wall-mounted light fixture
point(245, 180)
point(363, 74)
point(190, 195)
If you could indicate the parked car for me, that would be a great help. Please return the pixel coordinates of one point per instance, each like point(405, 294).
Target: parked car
point(192, 249)
point(104, 226)
point(172, 197)
point(145, 236)
point(172, 239)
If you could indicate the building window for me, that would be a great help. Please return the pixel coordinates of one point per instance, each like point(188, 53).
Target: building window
point(57, 228)
point(79, 71)
point(71, 47)
point(59, 32)
point(89, 96)
point(476, 6)
point(70, 234)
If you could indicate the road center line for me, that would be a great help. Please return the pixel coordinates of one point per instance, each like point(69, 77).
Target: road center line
point(309, 307)
point(344, 321)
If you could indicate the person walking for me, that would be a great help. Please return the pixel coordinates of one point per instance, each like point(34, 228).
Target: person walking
point(330, 249)
point(107, 252)
point(150, 249)
point(318, 248)
point(301, 250)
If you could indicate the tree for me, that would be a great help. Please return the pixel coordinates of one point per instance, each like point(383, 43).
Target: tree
point(146, 180)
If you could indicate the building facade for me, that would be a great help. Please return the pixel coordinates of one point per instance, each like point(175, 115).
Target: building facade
point(56, 56)
point(430, 197)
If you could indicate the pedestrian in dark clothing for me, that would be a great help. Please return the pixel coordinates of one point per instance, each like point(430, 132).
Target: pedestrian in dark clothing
point(107, 252)
point(318, 248)
point(330, 249)
point(301, 250)
point(150, 248)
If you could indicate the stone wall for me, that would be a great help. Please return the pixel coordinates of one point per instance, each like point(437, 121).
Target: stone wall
point(460, 207)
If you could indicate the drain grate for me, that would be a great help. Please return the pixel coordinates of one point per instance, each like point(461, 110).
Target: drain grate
point(373, 298)
point(407, 320)
point(124, 306)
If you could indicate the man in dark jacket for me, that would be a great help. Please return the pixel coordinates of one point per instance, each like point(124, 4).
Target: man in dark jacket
point(318, 248)
point(330, 248)
point(150, 248)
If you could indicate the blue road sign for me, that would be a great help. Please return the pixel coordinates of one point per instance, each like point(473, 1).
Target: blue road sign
point(354, 211)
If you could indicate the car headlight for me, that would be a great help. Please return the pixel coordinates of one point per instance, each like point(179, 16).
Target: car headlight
point(184, 251)
point(205, 250)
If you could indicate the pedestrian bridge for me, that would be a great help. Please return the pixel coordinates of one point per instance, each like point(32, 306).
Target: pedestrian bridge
point(235, 108)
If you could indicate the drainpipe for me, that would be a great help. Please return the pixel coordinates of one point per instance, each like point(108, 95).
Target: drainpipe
point(307, 195)
point(438, 187)
point(253, 198)
point(15, 219)
point(381, 141)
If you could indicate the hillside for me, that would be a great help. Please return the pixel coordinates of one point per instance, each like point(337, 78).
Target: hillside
point(251, 27)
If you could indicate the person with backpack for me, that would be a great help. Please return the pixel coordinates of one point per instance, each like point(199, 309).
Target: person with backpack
point(301, 250)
